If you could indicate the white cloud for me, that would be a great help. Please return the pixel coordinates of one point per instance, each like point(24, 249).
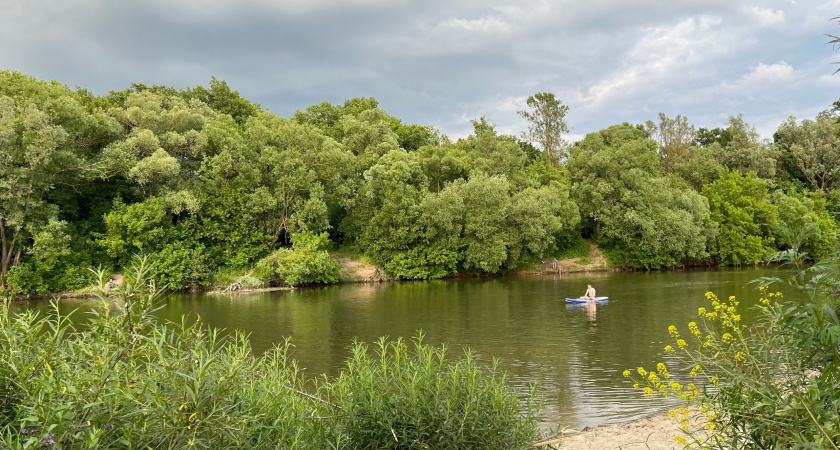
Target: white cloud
point(768, 73)
point(766, 17)
point(487, 24)
point(201, 10)
point(659, 53)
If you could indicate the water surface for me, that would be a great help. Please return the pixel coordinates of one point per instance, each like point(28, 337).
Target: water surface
point(575, 353)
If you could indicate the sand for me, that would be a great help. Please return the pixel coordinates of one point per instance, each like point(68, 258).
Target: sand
point(653, 432)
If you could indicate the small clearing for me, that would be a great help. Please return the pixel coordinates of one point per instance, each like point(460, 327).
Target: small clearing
point(356, 270)
point(594, 262)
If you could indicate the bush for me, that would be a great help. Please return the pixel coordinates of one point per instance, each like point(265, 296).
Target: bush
point(122, 380)
point(305, 263)
point(400, 398)
point(772, 385)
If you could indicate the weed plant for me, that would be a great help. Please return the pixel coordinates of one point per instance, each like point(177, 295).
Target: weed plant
point(774, 384)
point(398, 398)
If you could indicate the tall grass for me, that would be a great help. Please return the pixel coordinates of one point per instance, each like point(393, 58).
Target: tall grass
point(125, 380)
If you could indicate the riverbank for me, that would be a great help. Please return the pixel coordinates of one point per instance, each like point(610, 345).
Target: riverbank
point(653, 432)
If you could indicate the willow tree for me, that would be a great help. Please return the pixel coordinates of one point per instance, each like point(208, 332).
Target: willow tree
point(43, 131)
point(547, 117)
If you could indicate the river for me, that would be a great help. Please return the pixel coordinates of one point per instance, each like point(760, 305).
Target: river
point(575, 354)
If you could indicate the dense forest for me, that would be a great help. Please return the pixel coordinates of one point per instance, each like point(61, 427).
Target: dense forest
point(207, 184)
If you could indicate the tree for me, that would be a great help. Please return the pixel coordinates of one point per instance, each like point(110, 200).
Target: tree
point(741, 207)
point(43, 136)
point(799, 211)
point(491, 153)
point(547, 117)
point(674, 137)
point(642, 219)
point(222, 99)
point(744, 151)
point(815, 147)
point(298, 171)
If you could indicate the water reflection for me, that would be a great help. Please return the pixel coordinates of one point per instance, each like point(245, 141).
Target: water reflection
point(575, 352)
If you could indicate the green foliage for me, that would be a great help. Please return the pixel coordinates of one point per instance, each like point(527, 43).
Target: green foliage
point(547, 118)
point(642, 219)
point(771, 384)
point(741, 207)
point(306, 263)
point(675, 138)
point(743, 151)
point(206, 182)
point(814, 147)
point(120, 379)
point(800, 210)
point(573, 246)
point(402, 397)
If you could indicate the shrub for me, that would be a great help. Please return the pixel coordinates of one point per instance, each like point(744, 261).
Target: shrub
point(772, 385)
point(305, 263)
point(399, 398)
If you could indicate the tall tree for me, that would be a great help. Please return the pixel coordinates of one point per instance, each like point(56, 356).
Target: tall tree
point(547, 116)
point(43, 133)
point(815, 148)
point(674, 136)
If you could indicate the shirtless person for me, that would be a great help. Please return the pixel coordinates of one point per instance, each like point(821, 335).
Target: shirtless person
point(590, 293)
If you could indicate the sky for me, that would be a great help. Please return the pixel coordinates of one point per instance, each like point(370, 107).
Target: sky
point(446, 62)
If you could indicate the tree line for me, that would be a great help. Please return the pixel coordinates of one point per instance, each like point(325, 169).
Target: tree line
point(207, 183)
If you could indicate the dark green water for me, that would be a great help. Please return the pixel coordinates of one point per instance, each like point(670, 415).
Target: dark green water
point(574, 353)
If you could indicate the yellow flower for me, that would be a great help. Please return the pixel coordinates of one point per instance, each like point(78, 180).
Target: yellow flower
point(672, 330)
point(681, 344)
point(694, 330)
point(626, 374)
point(679, 439)
point(669, 349)
point(648, 391)
point(642, 371)
point(726, 337)
point(701, 311)
point(661, 368)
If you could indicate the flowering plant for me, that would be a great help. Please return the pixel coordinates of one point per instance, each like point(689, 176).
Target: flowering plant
point(773, 384)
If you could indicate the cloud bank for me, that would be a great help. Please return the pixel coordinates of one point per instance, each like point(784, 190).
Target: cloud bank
point(446, 62)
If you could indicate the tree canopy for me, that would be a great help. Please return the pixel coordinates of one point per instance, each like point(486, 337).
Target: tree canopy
point(207, 183)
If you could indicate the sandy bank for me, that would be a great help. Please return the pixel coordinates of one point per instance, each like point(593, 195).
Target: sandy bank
point(653, 432)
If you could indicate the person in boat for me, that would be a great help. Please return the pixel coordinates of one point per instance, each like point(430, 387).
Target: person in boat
point(590, 293)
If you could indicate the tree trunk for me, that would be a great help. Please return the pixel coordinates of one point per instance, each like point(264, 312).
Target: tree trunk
point(7, 249)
